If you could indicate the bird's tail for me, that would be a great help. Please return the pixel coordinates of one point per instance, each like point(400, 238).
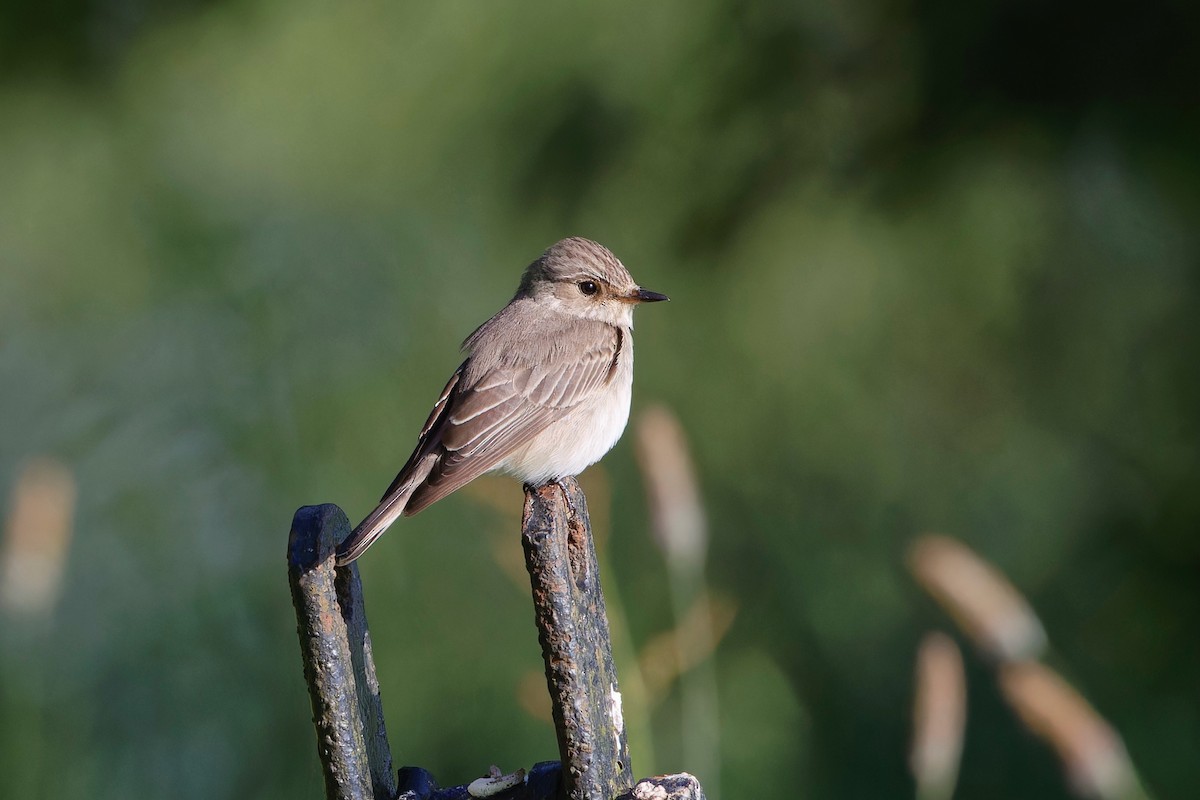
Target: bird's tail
point(371, 528)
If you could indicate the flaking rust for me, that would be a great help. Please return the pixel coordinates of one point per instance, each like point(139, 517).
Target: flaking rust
point(576, 647)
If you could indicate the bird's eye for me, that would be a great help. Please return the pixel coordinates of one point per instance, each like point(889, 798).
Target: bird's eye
point(588, 287)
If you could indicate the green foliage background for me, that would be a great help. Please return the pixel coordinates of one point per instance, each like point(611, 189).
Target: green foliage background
point(933, 268)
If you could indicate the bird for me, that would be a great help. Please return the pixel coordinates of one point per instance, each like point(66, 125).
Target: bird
point(544, 391)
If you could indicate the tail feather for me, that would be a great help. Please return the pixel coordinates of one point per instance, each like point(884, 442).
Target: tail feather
point(387, 512)
point(371, 528)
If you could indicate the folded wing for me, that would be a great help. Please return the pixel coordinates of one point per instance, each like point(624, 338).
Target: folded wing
point(505, 408)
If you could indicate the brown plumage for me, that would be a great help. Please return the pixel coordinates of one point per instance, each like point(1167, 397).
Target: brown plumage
point(544, 391)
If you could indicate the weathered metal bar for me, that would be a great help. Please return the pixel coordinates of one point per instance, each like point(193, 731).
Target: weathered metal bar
point(573, 631)
point(336, 648)
point(370, 704)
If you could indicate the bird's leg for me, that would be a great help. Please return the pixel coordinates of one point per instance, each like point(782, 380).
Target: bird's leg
point(566, 497)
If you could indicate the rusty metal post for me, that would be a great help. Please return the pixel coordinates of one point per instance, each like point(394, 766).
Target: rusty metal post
point(573, 631)
point(338, 666)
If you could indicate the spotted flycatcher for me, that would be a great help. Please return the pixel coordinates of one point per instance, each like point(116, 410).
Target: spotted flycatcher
point(544, 392)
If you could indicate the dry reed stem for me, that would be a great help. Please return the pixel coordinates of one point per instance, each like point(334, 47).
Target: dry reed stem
point(987, 607)
point(1095, 759)
point(939, 717)
point(37, 538)
point(679, 524)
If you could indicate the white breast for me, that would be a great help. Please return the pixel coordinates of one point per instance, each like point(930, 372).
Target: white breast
point(580, 439)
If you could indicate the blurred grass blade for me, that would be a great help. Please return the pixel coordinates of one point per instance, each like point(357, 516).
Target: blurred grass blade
point(987, 607)
point(1097, 764)
point(671, 654)
point(939, 717)
point(680, 530)
point(37, 538)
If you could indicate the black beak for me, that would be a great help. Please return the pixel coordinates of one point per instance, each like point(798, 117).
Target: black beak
point(647, 296)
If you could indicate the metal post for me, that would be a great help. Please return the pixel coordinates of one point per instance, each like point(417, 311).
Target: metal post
point(336, 647)
point(572, 628)
point(573, 631)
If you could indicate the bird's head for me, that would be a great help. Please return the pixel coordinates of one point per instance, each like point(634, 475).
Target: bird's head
point(582, 278)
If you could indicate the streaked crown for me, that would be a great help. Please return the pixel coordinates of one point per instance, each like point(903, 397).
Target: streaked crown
point(575, 259)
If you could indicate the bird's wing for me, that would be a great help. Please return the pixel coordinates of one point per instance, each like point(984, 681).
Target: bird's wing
point(396, 497)
point(424, 440)
point(508, 405)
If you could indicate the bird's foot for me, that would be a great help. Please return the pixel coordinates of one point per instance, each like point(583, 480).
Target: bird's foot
point(566, 497)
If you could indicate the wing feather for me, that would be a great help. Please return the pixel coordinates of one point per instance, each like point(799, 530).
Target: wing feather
point(512, 404)
point(477, 402)
point(427, 438)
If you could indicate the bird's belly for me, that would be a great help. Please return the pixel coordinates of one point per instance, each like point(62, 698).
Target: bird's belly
point(578, 440)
